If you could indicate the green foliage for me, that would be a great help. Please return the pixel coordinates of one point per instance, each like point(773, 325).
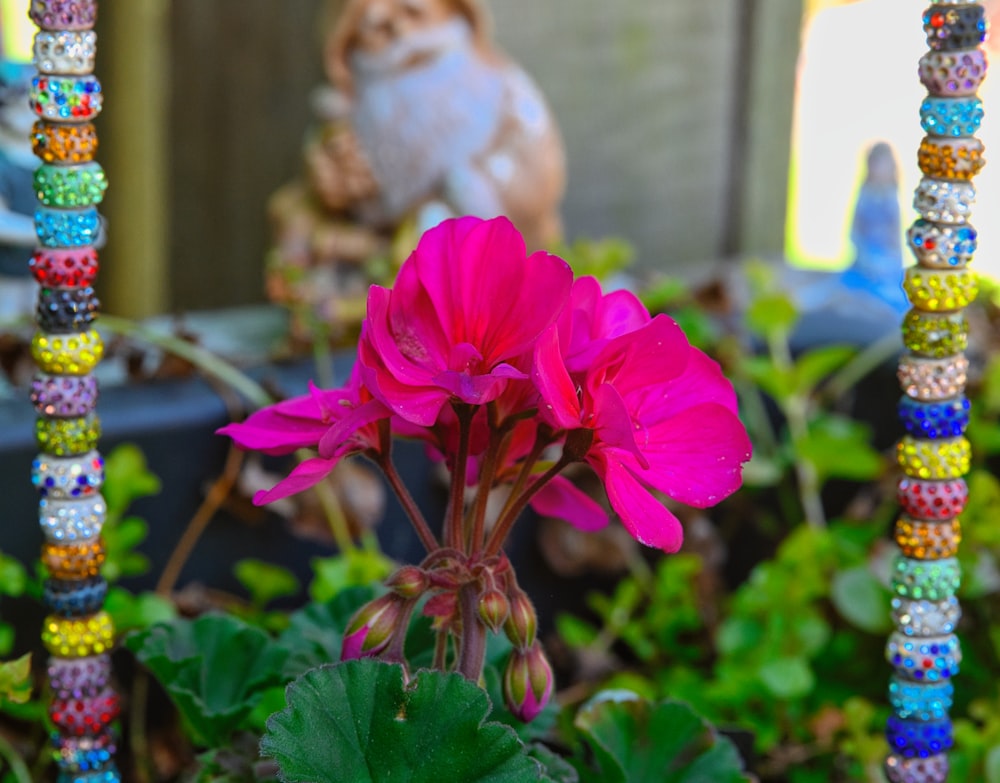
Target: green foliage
point(629, 740)
point(432, 728)
point(137, 611)
point(354, 568)
point(15, 680)
point(600, 258)
point(315, 632)
point(127, 479)
point(214, 669)
point(265, 582)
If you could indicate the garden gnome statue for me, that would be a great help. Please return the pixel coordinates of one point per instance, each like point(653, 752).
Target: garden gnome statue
point(426, 119)
point(17, 196)
point(877, 234)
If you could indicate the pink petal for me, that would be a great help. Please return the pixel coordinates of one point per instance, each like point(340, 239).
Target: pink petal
point(339, 435)
point(702, 381)
point(560, 404)
point(270, 432)
point(697, 456)
point(646, 519)
point(645, 358)
point(561, 499)
point(612, 424)
point(306, 474)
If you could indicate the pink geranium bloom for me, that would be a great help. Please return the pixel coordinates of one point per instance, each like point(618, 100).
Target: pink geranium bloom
point(467, 303)
point(337, 422)
point(662, 417)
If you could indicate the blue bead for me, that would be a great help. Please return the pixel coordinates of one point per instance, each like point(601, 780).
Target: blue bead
point(932, 420)
point(918, 739)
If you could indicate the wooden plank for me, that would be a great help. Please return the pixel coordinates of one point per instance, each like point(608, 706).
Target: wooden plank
point(132, 64)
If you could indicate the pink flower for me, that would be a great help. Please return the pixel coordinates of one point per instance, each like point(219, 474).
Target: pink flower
point(467, 303)
point(337, 422)
point(371, 629)
point(661, 416)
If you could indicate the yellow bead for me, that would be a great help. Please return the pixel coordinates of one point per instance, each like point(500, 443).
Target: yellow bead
point(940, 290)
point(68, 637)
point(946, 458)
point(935, 335)
point(67, 354)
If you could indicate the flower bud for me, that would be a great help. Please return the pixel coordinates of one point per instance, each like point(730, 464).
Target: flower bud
point(493, 609)
point(527, 682)
point(521, 623)
point(371, 628)
point(408, 582)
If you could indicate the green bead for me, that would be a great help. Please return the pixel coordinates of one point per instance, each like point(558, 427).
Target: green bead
point(67, 437)
point(926, 580)
point(67, 187)
point(935, 335)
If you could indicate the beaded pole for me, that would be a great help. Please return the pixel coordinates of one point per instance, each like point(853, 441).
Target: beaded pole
point(68, 472)
point(934, 453)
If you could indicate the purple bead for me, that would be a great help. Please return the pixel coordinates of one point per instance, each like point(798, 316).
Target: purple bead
point(64, 14)
point(64, 396)
point(79, 678)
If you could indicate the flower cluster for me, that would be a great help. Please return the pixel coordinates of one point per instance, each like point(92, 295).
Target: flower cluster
point(510, 370)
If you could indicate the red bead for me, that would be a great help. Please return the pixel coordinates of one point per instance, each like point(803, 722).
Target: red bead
point(932, 500)
point(937, 20)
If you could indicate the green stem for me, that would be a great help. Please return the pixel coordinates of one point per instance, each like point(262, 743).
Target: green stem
point(513, 511)
point(204, 360)
point(333, 510)
point(873, 355)
point(796, 409)
point(18, 767)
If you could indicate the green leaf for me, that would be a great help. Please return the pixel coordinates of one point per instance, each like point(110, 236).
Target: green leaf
point(358, 722)
point(839, 447)
point(126, 479)
point(315, 633)
point(351, 569)
point(772, 314)
point(861, 599)
point(131, 612)
point(215, 669)
point(13, 576)
point(777, 383)
point(121, 536)
point(635, 741)
point(814, 366)
point(265, 582)
point(556, 767)
point(787, 678)
point(575, 632)
point(15, 679)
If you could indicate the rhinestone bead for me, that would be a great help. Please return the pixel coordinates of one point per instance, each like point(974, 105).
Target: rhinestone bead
point(68, 187)
point(66, 98)
point(934, 290)
point(946, 458)
point(65, 268)
point(918, 739)
point(924, 659)
point(926, 618)
point(66, 396)
point(64, 143)
point(924, 540)
point(79, 678)
point(84, 717)
point(73, 560)
point(929, 379)
point(78, 637)
point(951, 116)
point(930, 580)
point(68, 478)
point(67, 52)
point(67, 227)
point(953, 74)
point(939, 246)
point(951, 27)
point(935, 335)
point(108, 774)
point(83, 754)
point(920, 701)
point(72, 521)
point(68, 437)
point(944, 201)
point(945, 419)
point(934, 500)
point(74, 598)
point(960, 158)
point(69, 354)
point(933, 769)
point(63, 14)
point(66, 310)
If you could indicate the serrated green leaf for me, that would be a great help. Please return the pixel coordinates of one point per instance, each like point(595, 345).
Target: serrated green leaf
point(635, 741)
point(556, 767)
point(265, 582)
point(315, 633)
point(861, 599)
point(215, 669)
point(358, 722)
point(787, 678)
